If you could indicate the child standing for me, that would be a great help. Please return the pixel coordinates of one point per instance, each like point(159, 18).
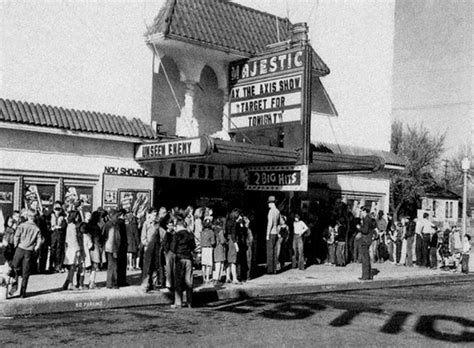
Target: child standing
point(466, 248)
point(208, 242)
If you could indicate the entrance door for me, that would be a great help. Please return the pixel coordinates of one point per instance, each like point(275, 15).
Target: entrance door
point(181, 193)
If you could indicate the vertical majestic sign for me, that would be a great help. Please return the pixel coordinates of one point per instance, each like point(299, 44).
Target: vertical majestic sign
point(268, 99)
point(266, 91)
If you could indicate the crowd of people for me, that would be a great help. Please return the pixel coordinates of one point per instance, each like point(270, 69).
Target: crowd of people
point(164, 244)
point(406, 242)
point(167, 244)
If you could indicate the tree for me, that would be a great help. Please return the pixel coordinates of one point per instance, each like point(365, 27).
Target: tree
point(453, 175)
point(422, 152)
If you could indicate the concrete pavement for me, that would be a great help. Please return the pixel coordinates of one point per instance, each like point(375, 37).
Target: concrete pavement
point(46, 296)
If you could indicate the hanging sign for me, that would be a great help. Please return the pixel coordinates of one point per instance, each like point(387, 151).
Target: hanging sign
point(266, 91)
point(277, 178)
point(182, 148)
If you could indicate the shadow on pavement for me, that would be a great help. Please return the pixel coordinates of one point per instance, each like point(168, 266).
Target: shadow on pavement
point(286, 308)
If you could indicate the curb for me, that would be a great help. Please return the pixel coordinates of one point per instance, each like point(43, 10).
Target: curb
point(110, 299)
point(209, 295)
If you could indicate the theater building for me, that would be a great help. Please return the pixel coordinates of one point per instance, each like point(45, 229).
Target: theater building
point(242, 89)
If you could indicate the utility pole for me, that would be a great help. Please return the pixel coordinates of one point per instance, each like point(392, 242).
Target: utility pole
point(465, 165)
point(446, 161)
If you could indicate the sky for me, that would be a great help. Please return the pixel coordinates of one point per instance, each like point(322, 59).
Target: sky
point(87, 55)
point(433, 82)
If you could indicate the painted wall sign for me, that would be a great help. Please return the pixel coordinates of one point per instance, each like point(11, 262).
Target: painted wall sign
point(277, 178)
point(189, 147)
point(261, 66)
point(125, 171)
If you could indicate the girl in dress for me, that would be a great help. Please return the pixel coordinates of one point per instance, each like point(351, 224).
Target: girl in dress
point(220, 249)
point(72, 257)
point(208, 241)
point(93, 246)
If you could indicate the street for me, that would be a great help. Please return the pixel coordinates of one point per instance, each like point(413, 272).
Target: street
point(437, 315)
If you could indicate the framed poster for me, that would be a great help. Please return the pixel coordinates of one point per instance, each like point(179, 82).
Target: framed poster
point(38, 197)
point(6, 197)
point(110, 197)
point(73, 194)
point(6, 202)
point(135, 201)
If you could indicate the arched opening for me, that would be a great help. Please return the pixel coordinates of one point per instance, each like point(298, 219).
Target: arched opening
point(164, 104)
point(208, 102)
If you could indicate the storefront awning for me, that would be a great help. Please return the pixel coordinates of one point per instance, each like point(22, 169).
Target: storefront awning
point(207, 150)
point(331, 163)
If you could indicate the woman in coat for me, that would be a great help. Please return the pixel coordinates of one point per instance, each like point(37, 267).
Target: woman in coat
point(72, 255)
point(232, 234)
point(220, 248)
point(133, 240)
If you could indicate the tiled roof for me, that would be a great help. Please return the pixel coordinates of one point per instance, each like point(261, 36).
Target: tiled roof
point(389, 158)
point(74, 120)
point(225, 26)
point(441, 192)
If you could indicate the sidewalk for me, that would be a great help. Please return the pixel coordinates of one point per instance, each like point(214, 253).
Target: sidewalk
point(46, 296)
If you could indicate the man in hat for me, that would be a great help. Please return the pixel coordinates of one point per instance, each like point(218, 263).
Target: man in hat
point(272, 235)
point(367, 229)
point(27, 240)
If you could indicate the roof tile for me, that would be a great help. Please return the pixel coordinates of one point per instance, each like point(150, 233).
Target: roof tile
point(82, 121)
point(3, 111)
point(11, 113)
point(224, 25)
point(36, 108)
point(57, 116)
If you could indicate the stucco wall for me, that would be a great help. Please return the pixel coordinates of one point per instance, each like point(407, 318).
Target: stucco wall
point(46, 157)
point(363, 185)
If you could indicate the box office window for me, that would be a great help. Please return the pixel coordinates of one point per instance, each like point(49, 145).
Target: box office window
point(72, 194)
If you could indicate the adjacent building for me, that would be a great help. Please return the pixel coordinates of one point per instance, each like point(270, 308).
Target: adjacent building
point(49, 153)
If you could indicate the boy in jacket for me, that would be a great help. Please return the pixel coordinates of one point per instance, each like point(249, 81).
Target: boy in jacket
point(183, 246)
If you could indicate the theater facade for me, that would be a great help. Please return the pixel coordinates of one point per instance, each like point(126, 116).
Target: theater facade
point(239, 93)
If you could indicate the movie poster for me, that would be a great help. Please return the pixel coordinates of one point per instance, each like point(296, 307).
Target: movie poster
point(6, 202)
point(75, 193)
point(135, 201)
point(38, 197)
